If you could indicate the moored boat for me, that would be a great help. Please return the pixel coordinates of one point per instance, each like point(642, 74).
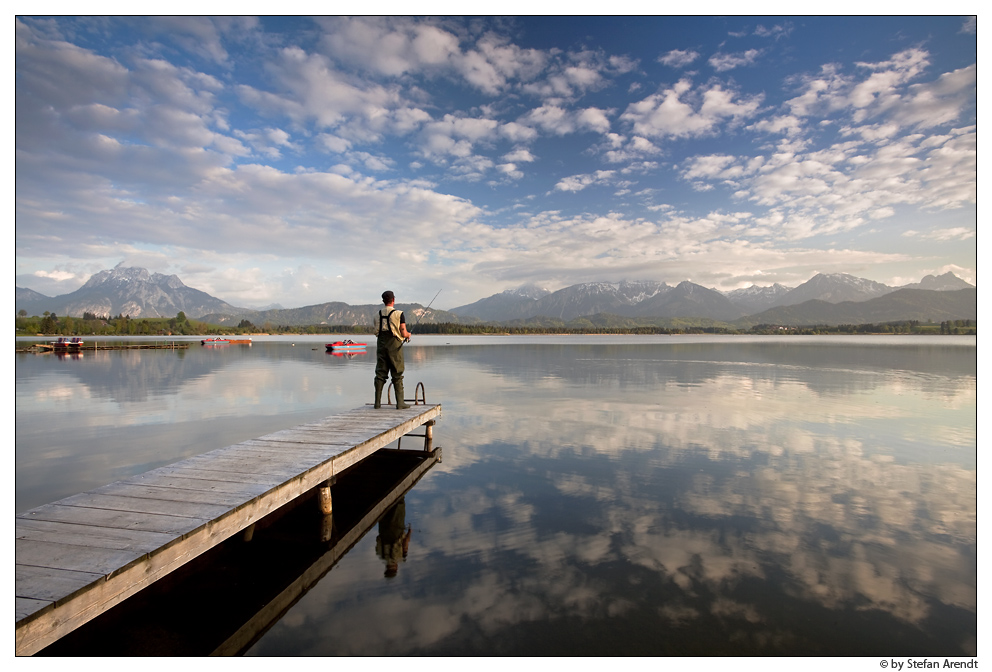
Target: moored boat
point(64, 343)
point(214, 341)
point(345, 346)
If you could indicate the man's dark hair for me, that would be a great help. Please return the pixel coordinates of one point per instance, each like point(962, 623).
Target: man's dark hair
point(388, 297)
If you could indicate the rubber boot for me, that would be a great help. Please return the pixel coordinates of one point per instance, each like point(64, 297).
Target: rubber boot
point(400, 401)
point(378, 393)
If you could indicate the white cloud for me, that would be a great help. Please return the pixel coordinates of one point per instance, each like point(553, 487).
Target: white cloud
point(387, 45)
point(521, 154)
point(560, 121)
point(777, 31)
point(395, 46)
point(580, 182)
point(723, 62)
point(678, 58)
point(455, 136)
point(572, 74)
point(669, 114)
point(618, 149)
point(786, 123)
point(953, 233)
point(268, 141)
point(197, 34)
point(312, 90)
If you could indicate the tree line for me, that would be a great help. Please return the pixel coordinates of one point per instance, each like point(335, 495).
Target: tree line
point(49, 324)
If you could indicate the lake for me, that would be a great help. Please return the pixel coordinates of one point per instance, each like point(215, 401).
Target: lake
point(598, 495)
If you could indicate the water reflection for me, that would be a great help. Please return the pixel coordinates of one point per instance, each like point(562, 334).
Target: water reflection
point(659, 496)
point(393, 542)
point(731, 506)
point(225, 600)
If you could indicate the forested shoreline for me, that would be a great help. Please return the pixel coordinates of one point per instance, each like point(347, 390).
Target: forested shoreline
point(50, 324)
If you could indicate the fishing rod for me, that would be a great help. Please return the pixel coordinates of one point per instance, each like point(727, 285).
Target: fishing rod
point(421, 316)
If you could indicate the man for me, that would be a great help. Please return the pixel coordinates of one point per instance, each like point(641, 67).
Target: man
point(389, 350)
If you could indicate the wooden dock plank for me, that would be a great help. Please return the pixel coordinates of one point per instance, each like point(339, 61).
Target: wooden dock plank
point(25, 606)
point(101, 561)
point(48, 584)
point(125, 520)
point(192, 506)
point(88, 535)
point(184, 470)
point(113, 502)
point(172, 494)
point(186, 481)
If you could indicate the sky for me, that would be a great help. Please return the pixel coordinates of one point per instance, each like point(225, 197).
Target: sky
point(292, 161)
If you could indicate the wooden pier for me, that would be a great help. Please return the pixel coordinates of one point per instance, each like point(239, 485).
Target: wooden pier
point(80, 556)
point(48, 348)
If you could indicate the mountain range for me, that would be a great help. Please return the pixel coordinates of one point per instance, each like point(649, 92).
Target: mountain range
point(834, 298)
point(657, 299)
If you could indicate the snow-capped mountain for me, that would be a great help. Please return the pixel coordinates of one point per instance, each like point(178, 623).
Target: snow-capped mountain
point(834, 288)
point(130, 291)
point(597, 297)
point(657, 299)
point(755, 299)
point(511, 304)
point(688, 299)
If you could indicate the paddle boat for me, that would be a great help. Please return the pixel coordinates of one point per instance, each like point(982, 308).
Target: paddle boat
point(64, 343)
point(345, 346)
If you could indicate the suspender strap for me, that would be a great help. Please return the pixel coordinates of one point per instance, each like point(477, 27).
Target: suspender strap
point(384, 323)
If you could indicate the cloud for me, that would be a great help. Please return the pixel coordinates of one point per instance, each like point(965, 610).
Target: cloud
point(268, 141)
point(723, 62)
point(199, 35)
point(580, 182)
point(777, 31)
point(787, 124)
point(309, 89)
point(681, 112)
point(953, 233)
point(521, 154)
point(573, 74)
point(844, 185)
point(393, 46)
point(678, 58)
point(455, 136)
point(560, 121)
point(620, 149)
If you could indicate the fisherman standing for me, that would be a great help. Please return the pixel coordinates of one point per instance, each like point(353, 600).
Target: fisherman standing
point(389, 350)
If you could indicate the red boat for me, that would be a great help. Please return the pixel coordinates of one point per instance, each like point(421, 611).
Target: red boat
point(345, 346)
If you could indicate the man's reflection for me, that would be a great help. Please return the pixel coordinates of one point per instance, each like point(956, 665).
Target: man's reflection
point(393, 541)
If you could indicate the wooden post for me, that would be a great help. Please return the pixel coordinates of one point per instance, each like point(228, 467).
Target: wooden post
point(249, 532)
point(324, 498)
point(428, 434)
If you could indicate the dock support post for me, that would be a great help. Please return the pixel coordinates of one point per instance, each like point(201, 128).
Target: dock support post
point(324, 498)
point(428, 434)
point(324, 502)
point(248, 533)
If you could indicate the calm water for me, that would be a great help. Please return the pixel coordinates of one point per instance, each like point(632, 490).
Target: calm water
point(597, 495)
